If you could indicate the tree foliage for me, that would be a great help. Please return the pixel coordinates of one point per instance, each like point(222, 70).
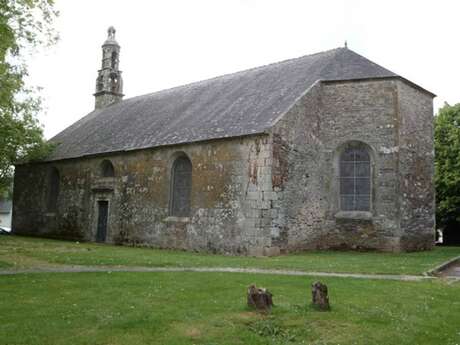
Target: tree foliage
point(447, 166)
point(24, 26)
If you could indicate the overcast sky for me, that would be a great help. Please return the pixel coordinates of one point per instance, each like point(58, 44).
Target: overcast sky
point(172, 42)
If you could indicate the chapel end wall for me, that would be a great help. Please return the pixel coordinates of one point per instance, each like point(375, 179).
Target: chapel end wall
point(306, 144)
point(230, 200)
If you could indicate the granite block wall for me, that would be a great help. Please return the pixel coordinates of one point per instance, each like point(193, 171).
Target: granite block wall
point(380, 115)
point(230, 201)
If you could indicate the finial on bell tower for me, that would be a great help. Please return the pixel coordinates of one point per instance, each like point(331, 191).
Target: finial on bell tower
point(346, 44)
point(111, 33)
point(109, 84)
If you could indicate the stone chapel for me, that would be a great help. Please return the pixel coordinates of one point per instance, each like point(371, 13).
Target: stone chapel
point(328, 150)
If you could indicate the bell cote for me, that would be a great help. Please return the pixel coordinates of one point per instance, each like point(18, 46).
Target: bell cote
point(109, 84)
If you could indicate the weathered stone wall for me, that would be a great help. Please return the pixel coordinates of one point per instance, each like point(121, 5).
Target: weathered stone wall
point(416, 168)
point(306, 145)
point(300, 208)
point(261, 194)
point(230, 200)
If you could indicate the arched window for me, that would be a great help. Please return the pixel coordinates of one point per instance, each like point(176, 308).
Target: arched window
point(355, 179)
point(181, 187)
point(53, 190)
point(107, 169)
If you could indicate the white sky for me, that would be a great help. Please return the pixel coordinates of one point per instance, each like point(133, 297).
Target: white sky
point(172, 42)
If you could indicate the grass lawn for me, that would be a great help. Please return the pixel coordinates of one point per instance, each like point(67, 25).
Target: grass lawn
point(209, 308)
point(4, 264)
point(133, 308)
point(23, 252)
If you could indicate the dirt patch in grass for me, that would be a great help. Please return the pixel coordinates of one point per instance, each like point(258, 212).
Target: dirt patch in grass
point(17, 262)
point(192, 332)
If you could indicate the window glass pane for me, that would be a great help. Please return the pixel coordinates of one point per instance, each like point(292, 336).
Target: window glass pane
point(347, 185)
point(182, 185)
point(362, 169)
point(346, 203)
point(363, 186)
point(348, 156)
point(362, 203)
point(361, 155)
point(355, 183)
point(347, 169)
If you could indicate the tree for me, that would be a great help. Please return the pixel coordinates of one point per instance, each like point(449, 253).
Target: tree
point(447, 171)
point(24, 26)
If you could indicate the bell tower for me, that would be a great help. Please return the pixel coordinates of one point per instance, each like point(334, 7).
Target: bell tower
point(109, 85)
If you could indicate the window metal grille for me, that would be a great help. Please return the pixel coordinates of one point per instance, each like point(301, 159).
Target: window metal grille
point(181, 187)
point(355, 180)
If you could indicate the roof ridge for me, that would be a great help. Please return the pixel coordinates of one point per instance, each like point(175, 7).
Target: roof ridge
point(203, 81)
point(236, 104)
point(331, 60)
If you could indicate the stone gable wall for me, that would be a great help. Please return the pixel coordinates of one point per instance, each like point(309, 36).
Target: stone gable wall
point(310, 137)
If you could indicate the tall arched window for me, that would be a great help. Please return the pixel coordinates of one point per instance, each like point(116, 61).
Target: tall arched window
point(107, 169)
point(53, 190)
point(181, 187)
point(355, 179)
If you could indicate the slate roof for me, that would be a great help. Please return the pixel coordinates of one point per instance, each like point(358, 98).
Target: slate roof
point(237, 104)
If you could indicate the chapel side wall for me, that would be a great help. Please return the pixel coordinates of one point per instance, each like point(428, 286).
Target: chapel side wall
point(313, 131)
point(231, 181)
point(416, 166)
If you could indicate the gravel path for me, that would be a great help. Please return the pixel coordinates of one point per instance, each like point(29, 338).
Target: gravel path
point(452, 271)
point(78, 269)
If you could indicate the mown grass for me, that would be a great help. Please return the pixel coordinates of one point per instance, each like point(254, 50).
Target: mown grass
point(209, 308)
point(23, 252)
point(4, 264)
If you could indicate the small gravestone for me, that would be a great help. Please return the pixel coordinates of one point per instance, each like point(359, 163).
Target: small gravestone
point(259, 298)
point(319, 298)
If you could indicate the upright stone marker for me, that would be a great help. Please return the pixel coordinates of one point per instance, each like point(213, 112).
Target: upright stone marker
point(319, 297)
point(259, 298)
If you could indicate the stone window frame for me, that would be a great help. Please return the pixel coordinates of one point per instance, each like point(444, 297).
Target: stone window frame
point(172, 216)
point(338, 212)
point(107, 170)
point(53, 191)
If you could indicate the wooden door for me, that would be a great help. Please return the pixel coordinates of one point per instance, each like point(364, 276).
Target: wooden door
point(103, 213)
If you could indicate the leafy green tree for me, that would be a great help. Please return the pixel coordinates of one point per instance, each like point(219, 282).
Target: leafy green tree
point(25, 25)
point(447, 167)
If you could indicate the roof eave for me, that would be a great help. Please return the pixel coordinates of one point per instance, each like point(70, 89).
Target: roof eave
point(107, 153)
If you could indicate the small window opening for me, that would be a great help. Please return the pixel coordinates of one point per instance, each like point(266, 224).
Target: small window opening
point(107, 169)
